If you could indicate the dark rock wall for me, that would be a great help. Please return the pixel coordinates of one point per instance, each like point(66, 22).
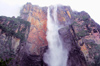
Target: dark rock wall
point(75, 55)
point(13, 35)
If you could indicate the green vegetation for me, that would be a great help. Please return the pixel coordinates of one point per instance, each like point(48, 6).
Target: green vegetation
point(83, 26)
point(85, 17)
point(74, 23)
point(82, 33)
point(97, 60)
point(15, 27)
point(10, 25)
point(4, 63)
point(20, 35)
point(91, 44)
point(94, 52)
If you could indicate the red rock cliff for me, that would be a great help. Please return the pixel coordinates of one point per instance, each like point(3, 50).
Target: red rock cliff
point(37, 16)
point(82, 31)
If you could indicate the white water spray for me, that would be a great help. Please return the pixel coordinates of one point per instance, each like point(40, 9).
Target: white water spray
point(55, 55)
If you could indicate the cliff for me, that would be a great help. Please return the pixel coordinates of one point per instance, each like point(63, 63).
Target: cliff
point(84, 30)
point(68, 36)
point(83, 33)
point(86, 35)
point(37, 16)
point(25, 41)
point(36, 42)
point(13, 35)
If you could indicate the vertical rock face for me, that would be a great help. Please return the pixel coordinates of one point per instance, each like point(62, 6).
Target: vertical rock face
point(36, 42)
point(79, 33)
point(87, 35)
point(37, 16)
point(75, 56)
point(13, 35)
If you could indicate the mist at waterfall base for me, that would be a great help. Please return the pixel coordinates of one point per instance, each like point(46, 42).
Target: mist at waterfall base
point(56, 55)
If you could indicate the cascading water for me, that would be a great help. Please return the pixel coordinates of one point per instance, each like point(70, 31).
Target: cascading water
point(55, 55)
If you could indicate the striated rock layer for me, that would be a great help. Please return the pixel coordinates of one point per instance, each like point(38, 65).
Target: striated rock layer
point(36, 42)
point(37, 16)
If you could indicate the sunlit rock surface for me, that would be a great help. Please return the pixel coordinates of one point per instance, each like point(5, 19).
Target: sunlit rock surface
point(37, 16)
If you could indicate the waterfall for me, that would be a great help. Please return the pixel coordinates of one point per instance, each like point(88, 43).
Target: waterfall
point(55, 55)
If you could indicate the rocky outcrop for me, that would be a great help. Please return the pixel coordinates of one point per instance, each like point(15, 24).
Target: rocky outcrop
point(37, 16)
point(68, 36)
point(87, 35)
point(13, 35)
point(36, 42)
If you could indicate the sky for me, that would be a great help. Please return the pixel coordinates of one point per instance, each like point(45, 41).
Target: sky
point(12, 7)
